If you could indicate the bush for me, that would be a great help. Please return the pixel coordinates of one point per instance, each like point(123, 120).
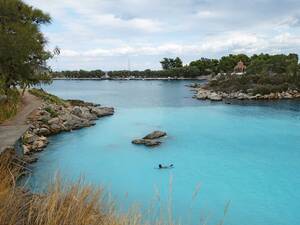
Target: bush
point(51, 111)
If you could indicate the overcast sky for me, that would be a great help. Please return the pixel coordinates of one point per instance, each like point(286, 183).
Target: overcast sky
point(107, 34)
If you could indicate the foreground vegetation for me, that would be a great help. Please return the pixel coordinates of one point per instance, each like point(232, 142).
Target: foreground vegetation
point(9, 105)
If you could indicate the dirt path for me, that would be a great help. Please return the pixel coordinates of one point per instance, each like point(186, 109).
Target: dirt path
point(12, 130)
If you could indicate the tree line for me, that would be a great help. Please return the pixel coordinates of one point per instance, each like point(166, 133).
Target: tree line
point(256, 64)
point(263, 64)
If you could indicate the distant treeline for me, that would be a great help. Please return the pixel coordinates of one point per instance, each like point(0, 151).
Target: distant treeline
point(172, 68)
point(79, 74)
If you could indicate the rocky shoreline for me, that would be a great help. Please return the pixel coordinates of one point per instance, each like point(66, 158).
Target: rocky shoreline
point(203, 93)
point(52, 119)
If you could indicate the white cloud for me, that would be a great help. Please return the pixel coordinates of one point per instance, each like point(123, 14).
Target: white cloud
point(204, 14)
point(234, 42)
point(102, 33)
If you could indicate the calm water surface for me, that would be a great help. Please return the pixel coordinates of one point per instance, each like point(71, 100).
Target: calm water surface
point(247, 155)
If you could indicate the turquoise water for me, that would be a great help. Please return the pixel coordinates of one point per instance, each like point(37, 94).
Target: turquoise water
point(246, 155)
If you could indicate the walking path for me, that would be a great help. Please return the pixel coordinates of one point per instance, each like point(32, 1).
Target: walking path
point(11, 131)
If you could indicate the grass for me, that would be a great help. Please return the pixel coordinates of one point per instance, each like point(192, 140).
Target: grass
point(47, 97)
point(10, 106)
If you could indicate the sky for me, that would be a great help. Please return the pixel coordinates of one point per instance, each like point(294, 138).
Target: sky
point(137, 34)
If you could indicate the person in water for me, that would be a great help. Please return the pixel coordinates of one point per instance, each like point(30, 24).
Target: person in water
point(164, 167)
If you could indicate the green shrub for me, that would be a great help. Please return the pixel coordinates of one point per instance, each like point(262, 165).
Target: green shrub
point(47, 97)
point(52, 112)
point(11, 105)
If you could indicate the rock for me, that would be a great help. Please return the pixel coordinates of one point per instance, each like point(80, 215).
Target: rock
point(30, 159)
point(44, 116)
point(152, 143)
point(86, 114)
point(202, 95)
point(102, 111)
point(43, 131)
point(146, 142)
point(39, 145)
point(44, 139)
point(54, 120)
point(243, 96)
point(55, 128)
point(215, 97)
point(287, 95)
point(77, 111)
point(155, 135)
point(25, 150)
point(138, 141)
point(65, 117)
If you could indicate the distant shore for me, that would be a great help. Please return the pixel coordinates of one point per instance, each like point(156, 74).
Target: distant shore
point(137, 78)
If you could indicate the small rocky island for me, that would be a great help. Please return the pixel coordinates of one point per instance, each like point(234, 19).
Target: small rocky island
point(259, 77)
point(56, 115)
point(150, 140)
point(205, 93)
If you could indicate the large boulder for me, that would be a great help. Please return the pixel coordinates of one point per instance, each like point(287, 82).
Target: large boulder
point(39, 145)
point(54, 120)
point(56, 128)
point(155, 135)
point(87, 114)
point(77, 111)
point(43, 131)
point(102, 111)
point(76, 122)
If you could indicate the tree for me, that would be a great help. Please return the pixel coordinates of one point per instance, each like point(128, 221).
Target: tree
point(274, 64)
point(206, 66)
point(227, 63)
point(169, 63)
point(22, 45)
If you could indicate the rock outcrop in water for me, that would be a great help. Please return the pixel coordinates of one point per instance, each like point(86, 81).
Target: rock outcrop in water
point(52, 119)
point(151, 139)
point(207, 94)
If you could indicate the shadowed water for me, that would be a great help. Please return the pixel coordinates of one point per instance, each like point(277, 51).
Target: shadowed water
point(245, 154)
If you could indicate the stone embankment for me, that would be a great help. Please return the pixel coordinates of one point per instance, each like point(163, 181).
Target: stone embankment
point(206, 94)
point(52, 119)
